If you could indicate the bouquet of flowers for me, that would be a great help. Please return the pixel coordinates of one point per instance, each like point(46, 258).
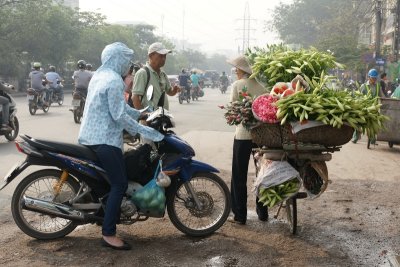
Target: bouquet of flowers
point(264, 108)
point(240, 111)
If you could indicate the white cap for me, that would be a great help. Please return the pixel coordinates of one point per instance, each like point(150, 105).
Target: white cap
point(159, 48)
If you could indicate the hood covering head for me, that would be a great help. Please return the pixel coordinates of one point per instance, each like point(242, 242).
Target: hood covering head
point(117, 57)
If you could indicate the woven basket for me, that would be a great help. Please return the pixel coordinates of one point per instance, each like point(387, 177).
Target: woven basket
point(268, 134)
point(325, 135)
point(273, 135)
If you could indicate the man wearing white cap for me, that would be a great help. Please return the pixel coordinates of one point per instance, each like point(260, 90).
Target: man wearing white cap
point(157, 54)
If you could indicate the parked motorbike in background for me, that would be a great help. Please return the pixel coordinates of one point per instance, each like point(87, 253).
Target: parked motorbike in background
point(12, 121)
point(36, 100)
point(78, 104)
point(163, 176)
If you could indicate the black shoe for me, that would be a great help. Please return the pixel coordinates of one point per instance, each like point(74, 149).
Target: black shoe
point(262, 213)
point(237, 221)
point(125, 246)
point(5, 128)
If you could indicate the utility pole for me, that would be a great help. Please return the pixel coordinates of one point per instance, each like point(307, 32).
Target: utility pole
point(162, 25)
point(378, 18)
point(397, 32)
point(246, 29)
point(183, 29)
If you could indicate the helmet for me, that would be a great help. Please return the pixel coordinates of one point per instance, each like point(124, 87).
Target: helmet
point(52, 68)
point(37, 65)
point(373, 73)
point(81, 64)
point(183, 70)
point(88, 66)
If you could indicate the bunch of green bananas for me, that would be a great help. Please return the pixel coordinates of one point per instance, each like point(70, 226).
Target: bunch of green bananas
point(281, 64)
point(333, 108)
point(273, 195)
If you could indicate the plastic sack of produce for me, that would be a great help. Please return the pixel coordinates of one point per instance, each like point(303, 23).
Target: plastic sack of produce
point(276, 182)
point(315, 178)
point(150, 199)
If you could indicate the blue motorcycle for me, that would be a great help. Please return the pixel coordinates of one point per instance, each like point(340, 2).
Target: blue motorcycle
point(163, 176)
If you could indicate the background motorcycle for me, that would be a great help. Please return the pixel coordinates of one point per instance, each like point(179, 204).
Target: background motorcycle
point(223, 87)
point(78, 104)
point(13, 121)
point(184, 94)
point(57, 96)
point(36, 100)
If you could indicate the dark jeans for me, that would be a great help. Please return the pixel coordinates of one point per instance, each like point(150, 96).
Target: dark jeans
point(112, 161)
point(240, 165)
point(5, 103)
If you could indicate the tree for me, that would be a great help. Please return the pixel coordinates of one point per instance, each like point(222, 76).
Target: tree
point(325, 24)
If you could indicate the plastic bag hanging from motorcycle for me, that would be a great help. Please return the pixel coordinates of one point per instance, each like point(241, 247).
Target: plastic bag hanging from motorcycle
point(151, 198)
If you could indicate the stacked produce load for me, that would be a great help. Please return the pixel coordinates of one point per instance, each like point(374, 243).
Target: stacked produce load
point(302, 111)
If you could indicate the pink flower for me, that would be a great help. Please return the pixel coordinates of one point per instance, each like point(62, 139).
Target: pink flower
point(264, 108)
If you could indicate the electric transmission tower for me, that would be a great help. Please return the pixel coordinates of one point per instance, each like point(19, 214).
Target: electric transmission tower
point(245, 30)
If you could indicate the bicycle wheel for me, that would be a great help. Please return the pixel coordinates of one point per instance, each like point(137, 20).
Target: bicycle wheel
point(291, 213)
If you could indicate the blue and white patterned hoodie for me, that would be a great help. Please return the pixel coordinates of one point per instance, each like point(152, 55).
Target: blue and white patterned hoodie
point(106, 113)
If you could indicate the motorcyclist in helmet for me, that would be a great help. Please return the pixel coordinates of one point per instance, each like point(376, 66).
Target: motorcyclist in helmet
point(184, 80)
point(54, 81)
point(82, 78)
point(37, 79)
point(89, 67)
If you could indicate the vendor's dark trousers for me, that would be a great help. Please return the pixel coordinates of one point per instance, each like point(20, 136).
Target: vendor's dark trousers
point(112, 161)
point(240, 165)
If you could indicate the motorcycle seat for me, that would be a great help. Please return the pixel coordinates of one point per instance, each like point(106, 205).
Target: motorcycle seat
point(75, 150)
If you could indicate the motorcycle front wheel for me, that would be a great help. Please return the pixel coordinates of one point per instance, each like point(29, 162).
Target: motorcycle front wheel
point(10, 136)
point(215, 205)
point(40, 185)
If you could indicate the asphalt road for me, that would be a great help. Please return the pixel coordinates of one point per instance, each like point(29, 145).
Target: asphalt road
point(200, 122)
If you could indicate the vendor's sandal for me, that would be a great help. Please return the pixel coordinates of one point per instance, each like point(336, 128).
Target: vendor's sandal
point(125, 246)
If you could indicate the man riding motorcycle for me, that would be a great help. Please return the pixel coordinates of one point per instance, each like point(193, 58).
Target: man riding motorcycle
point(184, 80)
point(37, 79)
point(54, 82)
point(82, 78)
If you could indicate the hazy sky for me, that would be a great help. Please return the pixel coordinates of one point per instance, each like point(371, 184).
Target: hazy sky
point(215, 24)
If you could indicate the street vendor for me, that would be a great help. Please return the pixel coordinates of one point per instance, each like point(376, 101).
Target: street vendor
point(373, 88)
point(243, 145)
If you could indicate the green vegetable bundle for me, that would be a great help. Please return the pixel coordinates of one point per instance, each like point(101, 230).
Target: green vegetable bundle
point(333, 108)
point(274, 195)
point(277, 63)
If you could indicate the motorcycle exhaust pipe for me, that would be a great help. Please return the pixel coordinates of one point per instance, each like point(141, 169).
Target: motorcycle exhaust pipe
point(53, 209)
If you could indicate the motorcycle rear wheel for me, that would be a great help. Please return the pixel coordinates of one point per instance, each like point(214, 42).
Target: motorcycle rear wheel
point(214, 196)
point(77, 115)
point(10, 136)
point(32, 108)
point(46, 108)
point(40, 185)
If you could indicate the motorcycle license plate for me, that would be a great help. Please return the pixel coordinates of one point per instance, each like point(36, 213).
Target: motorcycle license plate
point(30, 97)
point(76, 102)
